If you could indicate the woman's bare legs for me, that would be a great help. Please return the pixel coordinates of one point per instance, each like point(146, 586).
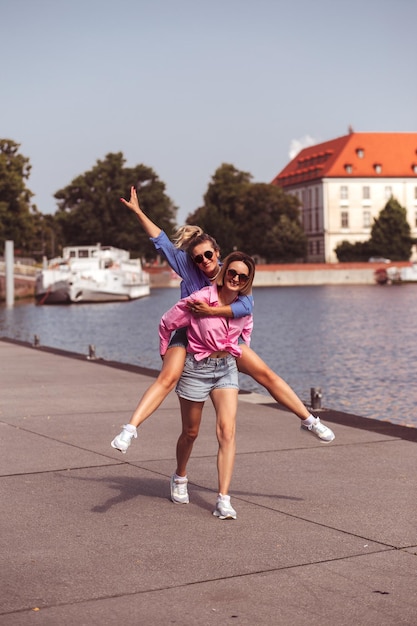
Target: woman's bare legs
point(171, 371)
point(191, 413)
point(225, 403)
point(250, 363)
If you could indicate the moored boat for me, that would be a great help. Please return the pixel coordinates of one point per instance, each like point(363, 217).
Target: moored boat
point(409, 274)
point(396, 275)
point(91, 274)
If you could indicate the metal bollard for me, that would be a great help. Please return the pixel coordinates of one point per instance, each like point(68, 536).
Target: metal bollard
point(36, 341)
point(316, 396)
point(91, 351)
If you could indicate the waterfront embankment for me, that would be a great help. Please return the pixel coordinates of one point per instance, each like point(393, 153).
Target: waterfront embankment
point(285, 275)
point(325, 533)
point(295, 274)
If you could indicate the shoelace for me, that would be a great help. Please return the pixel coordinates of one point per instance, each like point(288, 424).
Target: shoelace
point(318, 426)
point(181, 488)
point(129, 432)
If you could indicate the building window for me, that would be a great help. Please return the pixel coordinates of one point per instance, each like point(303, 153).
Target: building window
point(317, 216)
point(388, 193)
point(344, 192)
point(415, 193)
point(378, 168)
point(415, 220)
point(348, 168)
point(360, 152)
point(344, 219)
point(316, 196)
point(366, 193)
point(366, 219)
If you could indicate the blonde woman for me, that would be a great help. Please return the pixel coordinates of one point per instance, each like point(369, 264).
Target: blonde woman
point(195, 257)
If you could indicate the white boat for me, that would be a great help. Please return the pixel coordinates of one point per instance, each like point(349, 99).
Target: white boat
point(91, 274)
point(396, 275)
point(409, 274)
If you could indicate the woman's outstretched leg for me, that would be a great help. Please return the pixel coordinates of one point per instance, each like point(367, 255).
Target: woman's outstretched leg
point(250, 363)
point(172, 367)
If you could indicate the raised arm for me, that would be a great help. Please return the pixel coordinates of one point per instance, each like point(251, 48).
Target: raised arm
point(151, 229)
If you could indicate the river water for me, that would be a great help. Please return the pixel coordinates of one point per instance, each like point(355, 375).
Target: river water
point(357, 343)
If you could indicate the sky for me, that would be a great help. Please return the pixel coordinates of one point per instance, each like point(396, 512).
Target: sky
point(184, 86)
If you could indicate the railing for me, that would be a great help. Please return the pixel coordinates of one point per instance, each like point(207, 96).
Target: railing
point(19, 269)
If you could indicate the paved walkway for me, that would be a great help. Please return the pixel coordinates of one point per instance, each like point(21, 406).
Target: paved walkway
point(326, 533)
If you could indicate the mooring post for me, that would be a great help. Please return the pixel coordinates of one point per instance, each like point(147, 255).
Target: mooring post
point(316, 396)
point(9, 262)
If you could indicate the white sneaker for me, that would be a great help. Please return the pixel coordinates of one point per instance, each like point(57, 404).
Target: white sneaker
point(179, 491)
point(320, 430)
point(224, 509)
point(124, 439)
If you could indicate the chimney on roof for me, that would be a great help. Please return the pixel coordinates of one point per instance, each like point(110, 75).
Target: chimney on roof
point(350, 130)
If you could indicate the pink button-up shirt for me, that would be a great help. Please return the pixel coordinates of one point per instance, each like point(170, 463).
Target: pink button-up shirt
point(205, 334)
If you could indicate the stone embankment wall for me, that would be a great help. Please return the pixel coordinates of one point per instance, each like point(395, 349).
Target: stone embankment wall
point(24, 287)
point(309, 274)
point(293, 275)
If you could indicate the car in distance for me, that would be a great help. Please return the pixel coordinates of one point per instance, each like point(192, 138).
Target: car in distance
point(378, 259)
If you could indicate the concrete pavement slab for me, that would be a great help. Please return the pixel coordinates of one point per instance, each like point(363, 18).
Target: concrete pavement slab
point(366, 590)
point(25, 452)
point(96, 532)
point(325, 534)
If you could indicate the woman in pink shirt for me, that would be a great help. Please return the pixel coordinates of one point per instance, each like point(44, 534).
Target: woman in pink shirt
point(210, 371)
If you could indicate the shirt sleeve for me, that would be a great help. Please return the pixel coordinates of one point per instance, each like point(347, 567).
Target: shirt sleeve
point(242, 306)
point(247, 330)
point(180, 261)
point(178, 316)
point(177, 259)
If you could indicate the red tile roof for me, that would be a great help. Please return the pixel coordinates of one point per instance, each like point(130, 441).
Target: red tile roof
point(356, 155)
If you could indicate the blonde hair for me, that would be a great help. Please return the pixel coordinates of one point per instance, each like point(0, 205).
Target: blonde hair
point(185, 234)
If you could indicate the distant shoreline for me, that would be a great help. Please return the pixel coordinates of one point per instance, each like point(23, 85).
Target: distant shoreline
point(285, 275)
point(294, 274)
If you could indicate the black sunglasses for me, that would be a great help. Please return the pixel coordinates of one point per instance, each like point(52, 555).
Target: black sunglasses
point(243, 278)
point(200, 257)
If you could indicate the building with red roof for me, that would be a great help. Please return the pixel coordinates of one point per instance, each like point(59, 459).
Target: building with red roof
point(344, 183)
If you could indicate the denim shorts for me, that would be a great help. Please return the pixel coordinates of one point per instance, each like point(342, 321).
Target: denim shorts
point(199, 378)
point(179, 339)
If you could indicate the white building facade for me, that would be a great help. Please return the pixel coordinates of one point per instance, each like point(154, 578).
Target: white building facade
point(343, 184)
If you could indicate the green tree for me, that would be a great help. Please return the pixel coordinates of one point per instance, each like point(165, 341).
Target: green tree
point(391, 233)
point(16, 213)
point(347, 252)
point(90, 211)
point(255, 217)
point(222, 210)
point(270, 224)
point(390, 237)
